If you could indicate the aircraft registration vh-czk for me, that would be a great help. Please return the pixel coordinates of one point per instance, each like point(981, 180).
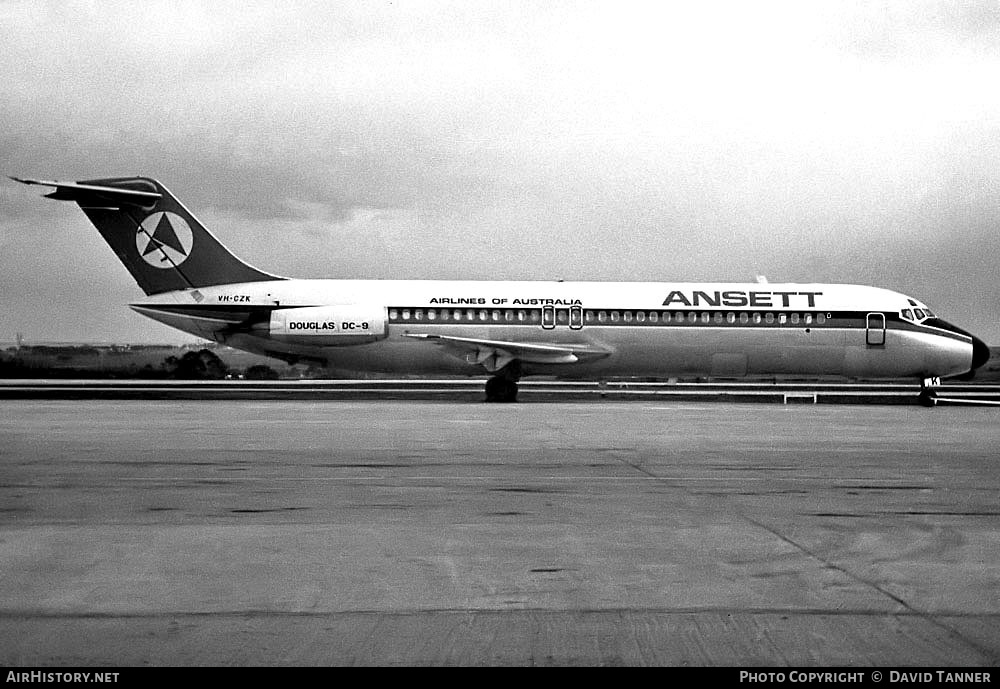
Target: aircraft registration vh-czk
point(588, 330)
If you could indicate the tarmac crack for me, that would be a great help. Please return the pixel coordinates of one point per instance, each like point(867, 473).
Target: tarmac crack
point(926, 616)
point(911, 610)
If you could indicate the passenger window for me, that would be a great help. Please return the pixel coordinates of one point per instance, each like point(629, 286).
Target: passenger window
point(640, 316)
point(562, 316)
point(521, 315)
point(589, 316)
point(692, 317)
point(744, 317)
point(393, 314)
point(782, 318)
point(496, 315)
point(470, 315)
point(718, 316)
point(706, 317)
point(809, 318)
point(418, 314)
point(484, 314)
point(444, 314)
point(602, 316)
point(627, 316)
point(614, 316)
point(769, 318)
point(406, 314)
point(730, 317)
point(821, 318)
point(756, 318)
point(535, 315)
point(431, 314)
point(795, 318)
point(653, 317)
point(508, 315)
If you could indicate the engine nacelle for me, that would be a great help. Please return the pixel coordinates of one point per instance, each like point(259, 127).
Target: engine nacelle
point(329, 326)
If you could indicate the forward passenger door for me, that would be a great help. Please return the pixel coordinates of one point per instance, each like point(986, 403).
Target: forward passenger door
point(875, 330)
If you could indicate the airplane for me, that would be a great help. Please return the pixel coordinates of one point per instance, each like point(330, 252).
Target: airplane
point(582, 330)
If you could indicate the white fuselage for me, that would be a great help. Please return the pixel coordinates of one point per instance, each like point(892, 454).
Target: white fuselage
point(640, 329)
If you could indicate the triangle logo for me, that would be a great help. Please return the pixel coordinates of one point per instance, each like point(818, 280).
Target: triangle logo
point(164, 240)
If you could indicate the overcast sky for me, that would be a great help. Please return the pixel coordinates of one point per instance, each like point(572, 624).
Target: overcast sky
point(827, 142)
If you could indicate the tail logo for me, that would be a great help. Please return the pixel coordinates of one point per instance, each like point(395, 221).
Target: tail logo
point(164, 240)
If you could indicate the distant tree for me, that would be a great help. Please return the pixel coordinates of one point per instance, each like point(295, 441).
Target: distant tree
point(200, 365)
point(260, 372)
point(13, 368)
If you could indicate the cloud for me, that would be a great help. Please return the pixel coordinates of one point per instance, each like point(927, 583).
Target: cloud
point(901, 29)
point(651, 141)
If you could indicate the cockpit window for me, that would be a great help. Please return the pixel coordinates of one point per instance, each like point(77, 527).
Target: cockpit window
point(907, 314)
point(928, 313)
point(918, 313)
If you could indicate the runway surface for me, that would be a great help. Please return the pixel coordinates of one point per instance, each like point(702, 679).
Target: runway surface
point(471, 390)
point(400, 532)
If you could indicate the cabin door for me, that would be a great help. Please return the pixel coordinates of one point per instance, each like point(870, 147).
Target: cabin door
point(875, 330)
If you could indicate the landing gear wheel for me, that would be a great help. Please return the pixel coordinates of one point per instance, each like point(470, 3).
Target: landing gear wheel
point(928, 394)
point(501, 389)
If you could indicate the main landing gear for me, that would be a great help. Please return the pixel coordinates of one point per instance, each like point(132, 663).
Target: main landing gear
point(503, 386)
point(928, 392)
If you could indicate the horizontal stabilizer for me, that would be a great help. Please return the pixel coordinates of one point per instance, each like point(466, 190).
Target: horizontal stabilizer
point(90, 194)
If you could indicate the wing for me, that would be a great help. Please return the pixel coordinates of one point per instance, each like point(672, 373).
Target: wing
point(495, 354)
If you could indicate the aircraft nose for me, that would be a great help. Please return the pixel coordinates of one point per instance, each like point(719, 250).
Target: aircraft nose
point(980, 353)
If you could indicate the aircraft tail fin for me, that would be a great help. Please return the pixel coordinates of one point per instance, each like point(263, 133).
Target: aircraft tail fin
point(160, 242)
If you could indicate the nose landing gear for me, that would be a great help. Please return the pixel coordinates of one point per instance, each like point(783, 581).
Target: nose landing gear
point(928, 392)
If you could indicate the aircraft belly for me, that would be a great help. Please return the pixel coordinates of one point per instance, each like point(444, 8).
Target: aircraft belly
point(724, 352)
point(820, 351)
point(907, 354)
point(400, 356)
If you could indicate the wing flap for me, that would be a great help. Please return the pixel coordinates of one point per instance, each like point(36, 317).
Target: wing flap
point(495, 354)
